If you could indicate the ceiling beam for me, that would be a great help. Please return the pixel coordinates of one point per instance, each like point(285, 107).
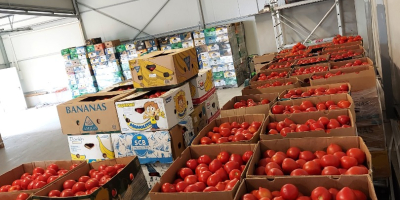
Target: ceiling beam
point(49, 14)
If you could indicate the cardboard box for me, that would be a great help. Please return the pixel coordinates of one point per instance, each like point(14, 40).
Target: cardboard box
point(153, 172)
point(194, 152)
point(136, 113)
point(212, 107)
point(240, 119)
point(252, 89)
point(129, 183)
point(199, 118)
point(318, 99)
point(380, 164)
point(99, 47)
point(202, 86)
point(163, 68)
point(360, 79)
point(322, 56)
point(93, 41)
point(90, 113)
point(306, 184)
point(301, 118)
point(92, 148)
point(254, 80)
point(304, 89)
point(112, 43)
point(16, 173)
point(264, 58)
point(307, 144)
point(337, 47)
point(374, 137)
point(229, 110)
point(1, 142)
point(267, 66)
point(151, 147)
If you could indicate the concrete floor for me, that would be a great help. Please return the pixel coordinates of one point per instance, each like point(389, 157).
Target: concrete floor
point(35, 134)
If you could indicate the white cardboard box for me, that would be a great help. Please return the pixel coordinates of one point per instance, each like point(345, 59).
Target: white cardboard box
point(202, 86)
point(91, 147)
point(212, 107)
point(153, 172)
point(162, 113)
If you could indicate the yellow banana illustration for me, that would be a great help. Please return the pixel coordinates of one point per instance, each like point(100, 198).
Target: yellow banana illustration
point(208, 84)
point(75, 157)
point(104, 150)
point(192, 89)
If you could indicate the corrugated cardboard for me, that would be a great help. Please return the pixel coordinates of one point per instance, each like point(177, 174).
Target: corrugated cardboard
point(202, 86)
point(258, 67)
point(306, 184)
point(374, 137)
point(304, 89)
point(341, 63)
point(163, 68)
point(90, 113)
point(153, 172)
point(301, 118)
point(255, 78)
point(307, 144)
point(212, 107)
point(129, 183)
point(199, 118)
point(321, 56)
point(136, 113)
point(252, 89)
point(194, 152)
point(266, 66)
point(16, 173)
point(318, 99)
point(229, 110)
point(380, 164)
point(159, 146)
point(336, 48)
point(240, 119)
point(357, 77)
point(264, 58)
point(112, 43)
point(92, 148)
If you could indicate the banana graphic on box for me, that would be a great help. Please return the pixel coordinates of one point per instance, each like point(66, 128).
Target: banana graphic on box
point(104, 150)
point(208, 83)
point(78, 157)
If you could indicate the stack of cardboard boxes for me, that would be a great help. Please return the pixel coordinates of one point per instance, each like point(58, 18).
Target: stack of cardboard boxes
point(81, 78)
point(223, 49)
point(177, 41)
point(105, 61)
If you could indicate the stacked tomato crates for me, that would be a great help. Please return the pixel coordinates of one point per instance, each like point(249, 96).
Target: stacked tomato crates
point(303, 86)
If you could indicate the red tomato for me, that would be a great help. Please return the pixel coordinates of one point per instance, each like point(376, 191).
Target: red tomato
point(22, 196)
point(201, 167)
point(320, 193)
point(102, 167)
point(333, 192)
point(54, 193)
point(190, 179)
point(98, 175)
point(231, 184)
point(110, 170)
point(231, 165)
point(237, 158)
point(5, 188)
point(289, 192)
point(247, 155)
point(300, 162)
point(16, 182)
point(213, 180)
point(73, 166)
point(339, 154)
point(24, 175)
point(203, 176)
point(51, 179)
point(225, 125)
point(249, 197)
point(25, 183)
point(191, 164)
point(319, 154)
point(38, 170)
point(83, 179)
point(222, 173)
point(346, 194)
point(223, 156)
point(330, 170)
point(357, 154)
point(323, 120)
point(67, 193)
point(270, 166)
point(205, 159)
point(288, 165)
point(275, 172)
point(343, 119)
point(344, 104)
point(332, 148)
point(333, 123)
point(260, 170)
point(360, 195)
point(183, 172)
point(91, 183)
point(221, 186)
point(269, 153)
point(192, 188)
point(68, 184)
point(225, 132)
point(62, 172)
point(38, 184)
point(78, 187)
point(181, 186)
point(312, 168)
point(298, 172)
point(210, 189)
point(235, 173)
point(205, 140)
point(278, 158)
point(346, 162)
point(355, 170)
point(216, 129)
point(104, 180)
point(245, 125)
point(330, 160)
point(306, 155)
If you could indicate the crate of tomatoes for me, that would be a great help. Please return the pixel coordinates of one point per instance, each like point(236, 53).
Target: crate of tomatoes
point(317, 90)
point(351, 63)
point(20, 182)
point(327, 156)
point(249, 104)
point(205, 172)
point(270, 75)
point(309, 124)
point(307, 188)
point(312, 60)
point(271, 86)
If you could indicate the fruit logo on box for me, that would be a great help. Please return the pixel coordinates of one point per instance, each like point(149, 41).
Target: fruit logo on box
point(91, 147)
point(152, 74)
point(89, 125)
point(151, 113)
point(180, 104)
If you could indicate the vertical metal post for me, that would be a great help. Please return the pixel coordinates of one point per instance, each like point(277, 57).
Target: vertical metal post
point(280, 31)
point(3, 53)
point(201, 14)
point(78, 14)
point(339, 17)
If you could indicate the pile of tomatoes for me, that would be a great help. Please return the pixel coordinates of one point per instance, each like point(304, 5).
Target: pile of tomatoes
point(338, 39)
point(231, 132)
point(39, 178)
point(249, 103)
point(291, 192)
point(308, 106)
point(86, 185)
point(125, 88)
point(345, 54)
point(206, 175)
point(333, 161)
point(322, 124)
point(297, 93)
point(274, 84)
point(311, 60)
point(327, 75)
point(154, 94)
point(272, 75)
point(351, 64)
point(279, 66)
point(309, 70)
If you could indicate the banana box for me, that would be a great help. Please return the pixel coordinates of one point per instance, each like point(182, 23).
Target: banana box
point(153, 172)
point(164, 68)
point(150, 147)
point(202, 86)
point(199, 118)
point(136, 112)
point(92, 148)
point(212, 107)
point(90, 113)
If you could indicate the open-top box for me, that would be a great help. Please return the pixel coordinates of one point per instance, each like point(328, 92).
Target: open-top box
point(229, 108)
point(303, 73)
point(258, 88)
point(342, 64)
point(334, 49)
point(307, 89)
point(308, 144)
point(277, 65)
point(239, 119)
point(301, 118)
point(347, 55)
point(194, 152)
point(312, 60)
point(275, 74)
point(307, 184)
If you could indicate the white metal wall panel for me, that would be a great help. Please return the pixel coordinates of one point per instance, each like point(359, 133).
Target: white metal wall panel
point(40, 5)
point(265, 34)
point(219, 10)
point(247, 7)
